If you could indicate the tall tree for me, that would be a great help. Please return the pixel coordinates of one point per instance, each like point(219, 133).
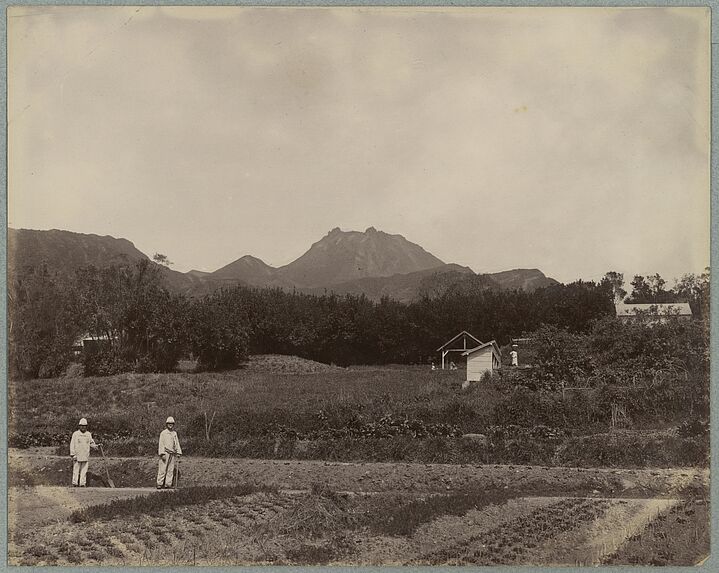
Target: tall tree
point(615, 280)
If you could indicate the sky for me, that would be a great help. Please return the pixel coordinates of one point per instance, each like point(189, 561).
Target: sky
point(573, 140)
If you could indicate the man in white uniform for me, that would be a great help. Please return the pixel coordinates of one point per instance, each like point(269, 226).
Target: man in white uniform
point(80, 445)
point(168, 449)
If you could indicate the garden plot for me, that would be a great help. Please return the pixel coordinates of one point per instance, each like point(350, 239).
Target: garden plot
point(319, 526)
point(32, 506)
point(303, 512)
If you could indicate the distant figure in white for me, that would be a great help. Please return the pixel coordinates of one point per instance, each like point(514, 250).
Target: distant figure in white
point(80, 445)
point(515, 359)
point(168, 449)
point(433, 366)
point(452, 365)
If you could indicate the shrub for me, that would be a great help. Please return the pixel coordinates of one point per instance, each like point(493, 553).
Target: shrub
point(106, 362)
point(562, 358)
point(218, 336)
point(691, 428)
point(632, 450)
point(37, 439)
point(523, 407)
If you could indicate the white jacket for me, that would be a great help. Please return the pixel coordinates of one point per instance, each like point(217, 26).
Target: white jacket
point(80, 445)
point(168, 441)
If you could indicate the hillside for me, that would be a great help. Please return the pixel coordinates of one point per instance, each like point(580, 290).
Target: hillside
point(373, 263)
point(345, 256)
point(65, 250)
point(527, 280)
point(411, 286)
point(250, 271)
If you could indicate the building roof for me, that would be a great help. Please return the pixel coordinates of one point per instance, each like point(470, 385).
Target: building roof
point(87, 336)
point(664, 308)
point(481, 346)
point(464, 332)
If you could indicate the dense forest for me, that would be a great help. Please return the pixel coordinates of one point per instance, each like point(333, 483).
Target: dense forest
point(146, 328)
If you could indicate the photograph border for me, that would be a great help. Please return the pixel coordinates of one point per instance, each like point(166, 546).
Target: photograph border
point(711, 564)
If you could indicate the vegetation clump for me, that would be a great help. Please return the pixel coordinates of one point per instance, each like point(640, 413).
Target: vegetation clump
point(156, 502)
point(402, 518)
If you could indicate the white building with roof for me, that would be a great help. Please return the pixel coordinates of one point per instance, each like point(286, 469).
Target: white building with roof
point(654, 312)
point(486, 357)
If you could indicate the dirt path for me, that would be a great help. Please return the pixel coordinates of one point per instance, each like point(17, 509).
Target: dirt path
point(28, 467)
point(40, 505)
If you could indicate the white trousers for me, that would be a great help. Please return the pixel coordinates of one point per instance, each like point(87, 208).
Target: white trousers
point(79, 473)
point(165, 471)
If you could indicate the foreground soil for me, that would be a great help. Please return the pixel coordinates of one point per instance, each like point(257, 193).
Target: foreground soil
point(40, 467)
point(319, 513)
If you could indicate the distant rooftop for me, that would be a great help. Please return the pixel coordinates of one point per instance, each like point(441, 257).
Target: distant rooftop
point(661, 308)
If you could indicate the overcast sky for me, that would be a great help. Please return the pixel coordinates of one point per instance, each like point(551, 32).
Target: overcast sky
point(572, 140)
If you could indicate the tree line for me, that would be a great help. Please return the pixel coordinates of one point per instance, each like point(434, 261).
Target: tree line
point(141, 326)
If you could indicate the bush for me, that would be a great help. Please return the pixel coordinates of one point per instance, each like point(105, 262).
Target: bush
point(523, 407)
point(562, 358)
point(218, 336)
point(691, 428)
point(37, 439)
point(106, 362)
point(632, 450)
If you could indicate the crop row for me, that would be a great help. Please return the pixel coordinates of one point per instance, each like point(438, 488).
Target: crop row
point(679, 537)
point(164, 500)
point(179, 535)
point(509, 543)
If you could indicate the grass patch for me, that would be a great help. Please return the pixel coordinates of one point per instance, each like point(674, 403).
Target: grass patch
point(403, 518)
point(164, 500)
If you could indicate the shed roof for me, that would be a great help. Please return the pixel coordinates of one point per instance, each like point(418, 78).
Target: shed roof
point(465, 333)
point(485, 345)
point(663, 308)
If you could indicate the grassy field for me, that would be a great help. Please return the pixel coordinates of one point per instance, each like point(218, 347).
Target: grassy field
point(252, 399)
point(287, 407)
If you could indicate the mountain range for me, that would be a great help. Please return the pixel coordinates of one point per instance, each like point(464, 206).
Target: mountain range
point(373, 263)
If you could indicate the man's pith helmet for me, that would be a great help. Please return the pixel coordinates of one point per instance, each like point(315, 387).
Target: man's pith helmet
point(170, 420)
point(82, 422)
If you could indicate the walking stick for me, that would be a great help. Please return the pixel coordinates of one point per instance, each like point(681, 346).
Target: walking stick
point(167, 465)
point(176, 476)
point(104, 463)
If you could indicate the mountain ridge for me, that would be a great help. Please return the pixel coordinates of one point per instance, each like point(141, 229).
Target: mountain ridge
point(373, 263)
point(342, 256)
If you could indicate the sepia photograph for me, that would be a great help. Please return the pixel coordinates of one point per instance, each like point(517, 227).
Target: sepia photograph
point(358, 286)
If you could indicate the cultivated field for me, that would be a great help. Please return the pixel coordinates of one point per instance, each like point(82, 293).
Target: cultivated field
point(237, 511)
point(291, 473)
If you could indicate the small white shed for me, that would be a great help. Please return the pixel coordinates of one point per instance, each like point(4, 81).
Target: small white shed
point(486, 357)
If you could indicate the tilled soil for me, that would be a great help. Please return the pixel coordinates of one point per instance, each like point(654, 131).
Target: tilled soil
point(41, 505)
point(38, 467)
point(553, 515)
